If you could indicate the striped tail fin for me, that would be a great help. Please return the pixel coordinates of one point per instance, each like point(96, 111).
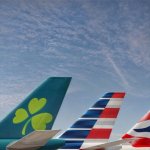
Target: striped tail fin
point(95, 126)
point(141, 131)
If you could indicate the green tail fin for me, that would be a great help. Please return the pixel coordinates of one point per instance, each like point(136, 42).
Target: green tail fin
point(38, 111)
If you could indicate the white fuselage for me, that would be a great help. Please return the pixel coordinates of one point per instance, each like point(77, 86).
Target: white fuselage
point(129, 147)
point(126, 147)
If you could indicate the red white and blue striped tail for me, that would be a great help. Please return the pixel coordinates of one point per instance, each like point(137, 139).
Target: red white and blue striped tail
point(95, 126)
point(141, 132)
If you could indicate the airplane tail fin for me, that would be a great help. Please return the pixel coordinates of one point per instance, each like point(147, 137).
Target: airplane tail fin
point(38, 111)
point(96, 124)
point(141, 132)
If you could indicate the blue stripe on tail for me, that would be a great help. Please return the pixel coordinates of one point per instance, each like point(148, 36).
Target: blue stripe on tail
point(72, 145)
point(83, 123)
point(147, 129)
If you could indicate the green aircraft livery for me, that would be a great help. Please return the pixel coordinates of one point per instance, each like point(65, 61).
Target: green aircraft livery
point(38, 111)
point(33, 117)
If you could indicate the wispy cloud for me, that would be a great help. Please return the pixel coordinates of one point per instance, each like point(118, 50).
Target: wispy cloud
point(8, 103)
point(118, 71)
point(75, 38)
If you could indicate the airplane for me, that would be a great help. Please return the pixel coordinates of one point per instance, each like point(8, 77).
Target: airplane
point(138, 138)
point(38, 111)
point(141, 133)
point(90, 129)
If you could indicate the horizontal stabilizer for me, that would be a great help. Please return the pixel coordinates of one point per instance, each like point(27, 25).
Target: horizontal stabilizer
point(33, 140)
point(109, 144)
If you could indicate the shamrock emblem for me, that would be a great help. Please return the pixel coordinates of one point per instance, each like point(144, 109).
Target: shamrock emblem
point(38, 121)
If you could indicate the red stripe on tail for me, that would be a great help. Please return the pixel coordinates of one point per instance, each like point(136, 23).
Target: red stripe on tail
point(143, 142)
point(118, 95)
point(126, 136)
point(146, 117)
point(99, 134)
point(110, 113)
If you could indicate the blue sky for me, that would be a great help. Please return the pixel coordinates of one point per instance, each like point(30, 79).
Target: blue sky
point(103, 44)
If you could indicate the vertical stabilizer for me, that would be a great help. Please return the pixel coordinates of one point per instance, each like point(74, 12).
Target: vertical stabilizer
point(141, 131)
point(95, 126)
point(38, 111)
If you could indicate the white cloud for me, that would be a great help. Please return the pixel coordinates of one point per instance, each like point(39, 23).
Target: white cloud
point(8, 103)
